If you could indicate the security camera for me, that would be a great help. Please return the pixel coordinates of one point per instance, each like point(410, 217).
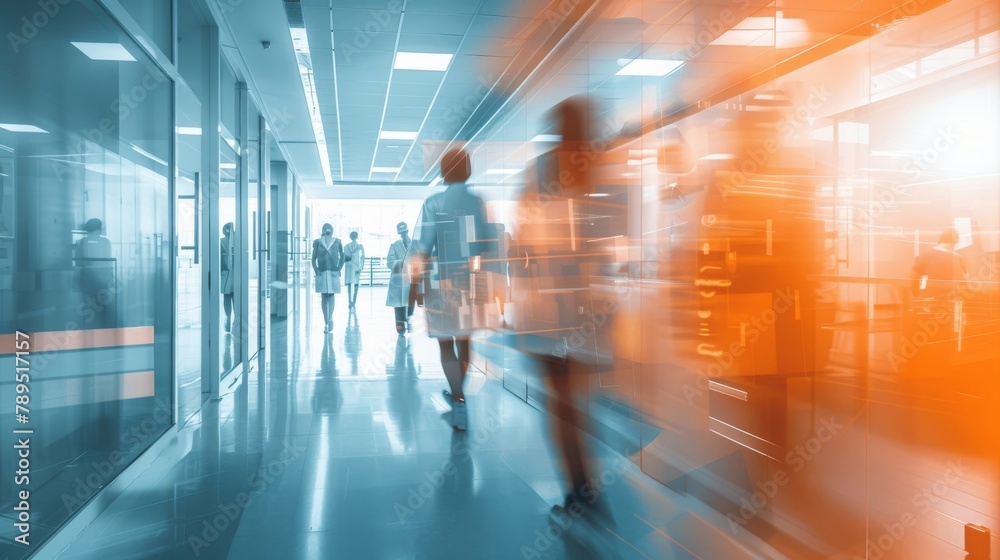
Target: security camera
point(265, 44)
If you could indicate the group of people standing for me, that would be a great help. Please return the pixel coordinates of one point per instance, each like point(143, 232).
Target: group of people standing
point(329, 259)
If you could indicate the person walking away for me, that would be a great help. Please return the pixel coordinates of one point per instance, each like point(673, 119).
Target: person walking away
point(451, 232)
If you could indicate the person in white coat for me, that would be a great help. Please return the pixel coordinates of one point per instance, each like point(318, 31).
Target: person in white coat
point(354, 261)
point(399, 283)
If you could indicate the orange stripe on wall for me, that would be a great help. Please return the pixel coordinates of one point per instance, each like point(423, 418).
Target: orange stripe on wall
point(56, 341)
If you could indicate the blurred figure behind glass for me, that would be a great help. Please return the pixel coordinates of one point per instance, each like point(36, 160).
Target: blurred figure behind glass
point(937, 268)
point(97, 273)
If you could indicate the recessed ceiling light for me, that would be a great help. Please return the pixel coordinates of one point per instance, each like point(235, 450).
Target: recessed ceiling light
point(648, 67)
point(189, 130)
point(104, 51)
point(643, 161)
point(397, 135)
point(227, 166)
point(22, 128)
point(598, 194)
point(422, 61)
point(547, 138)
point(386, 169)
point(717, 157)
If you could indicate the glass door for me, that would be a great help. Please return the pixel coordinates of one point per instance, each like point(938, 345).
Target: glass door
point(229, 282)
point(252, 265)
point(189, 255)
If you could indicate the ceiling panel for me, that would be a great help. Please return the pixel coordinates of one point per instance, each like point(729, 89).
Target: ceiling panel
point(348, 43)
point(442, 6)
point(367, 61)
point(440, 23)
point(403, 123)
point(497, 26)
point(423, 80)
point(316, 18)
point(363, 21)
point(425, 42)
point(402, 86)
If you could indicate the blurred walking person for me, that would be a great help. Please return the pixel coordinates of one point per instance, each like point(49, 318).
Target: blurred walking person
point(557, 256)
point(449, 239)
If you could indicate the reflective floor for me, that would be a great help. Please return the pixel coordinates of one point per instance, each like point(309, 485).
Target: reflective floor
point(340, 447)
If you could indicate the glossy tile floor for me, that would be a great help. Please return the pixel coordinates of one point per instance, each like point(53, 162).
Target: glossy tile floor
point(340, 447)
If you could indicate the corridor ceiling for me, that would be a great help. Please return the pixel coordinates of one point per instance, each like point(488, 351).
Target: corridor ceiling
point(347, 112)
point(376, 122)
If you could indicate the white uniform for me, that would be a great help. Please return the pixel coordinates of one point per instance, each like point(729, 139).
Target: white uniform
point(399, 281)
point(352, 268)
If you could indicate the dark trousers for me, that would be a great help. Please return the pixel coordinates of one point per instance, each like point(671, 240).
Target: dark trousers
point(402, 316)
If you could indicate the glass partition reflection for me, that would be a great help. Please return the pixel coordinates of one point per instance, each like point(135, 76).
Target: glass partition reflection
point(85, 258)
point(252, 218)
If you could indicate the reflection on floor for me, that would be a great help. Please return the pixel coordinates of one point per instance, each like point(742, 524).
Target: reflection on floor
point(339, 447)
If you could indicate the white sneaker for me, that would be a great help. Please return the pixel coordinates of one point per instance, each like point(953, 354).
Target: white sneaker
point(459, 416)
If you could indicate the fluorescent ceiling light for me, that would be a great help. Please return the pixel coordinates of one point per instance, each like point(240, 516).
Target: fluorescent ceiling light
point(717, 157)
point(22, 128)
point(397, 135)
point(104, 51)
point(647, 67)
point(547, 138)
point(189, 130)
point(502, 171)
point(300, 41)
point(422, 61)
point(227, 166)
point(598, 194)
point(386, 169)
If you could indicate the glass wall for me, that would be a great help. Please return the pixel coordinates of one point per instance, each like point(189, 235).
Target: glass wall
point(190, 213)
point(190, 253)
point(254, 231)
point(799, 326)
point(229, 281)
point(85, 256)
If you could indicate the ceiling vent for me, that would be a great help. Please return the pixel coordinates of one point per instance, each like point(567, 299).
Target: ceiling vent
point(293, 9)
